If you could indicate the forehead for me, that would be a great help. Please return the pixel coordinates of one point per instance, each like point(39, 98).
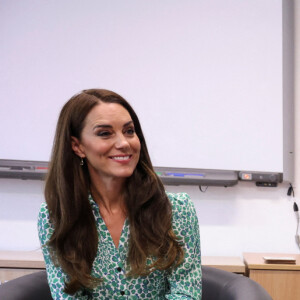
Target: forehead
point(107, 113)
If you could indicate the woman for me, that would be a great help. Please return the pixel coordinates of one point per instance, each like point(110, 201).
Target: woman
point(108, 229)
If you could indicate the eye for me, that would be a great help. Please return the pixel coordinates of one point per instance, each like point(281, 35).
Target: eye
point(103, 133)
point(130, 131)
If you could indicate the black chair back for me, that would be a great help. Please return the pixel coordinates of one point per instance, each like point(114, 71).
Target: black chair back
point(216, 285)
point(28, 287)
point(222, 285)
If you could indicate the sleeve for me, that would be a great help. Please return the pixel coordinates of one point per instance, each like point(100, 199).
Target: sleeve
point(185, 281)
point(56, 276)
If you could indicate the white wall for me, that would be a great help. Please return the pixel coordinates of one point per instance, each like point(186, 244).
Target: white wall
point(232, 220)
point(297, 95)
point(19, 205)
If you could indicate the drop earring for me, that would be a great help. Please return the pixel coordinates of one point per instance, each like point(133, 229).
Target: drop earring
point(81, 161)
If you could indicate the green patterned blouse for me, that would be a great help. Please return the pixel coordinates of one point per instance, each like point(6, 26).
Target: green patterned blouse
point(184, 282)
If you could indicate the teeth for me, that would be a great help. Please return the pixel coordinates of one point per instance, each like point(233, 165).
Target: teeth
point(120, 157)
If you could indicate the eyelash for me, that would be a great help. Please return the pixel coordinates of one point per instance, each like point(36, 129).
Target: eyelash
point(132, 131)
point(129, 131)
point(103, 133)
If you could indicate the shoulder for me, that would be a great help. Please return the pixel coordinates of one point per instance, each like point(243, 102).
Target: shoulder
point(43, 213)
point(182, 206)
point(178, 197)
point(43, 207)
point(180, 202)
point(184, 218)
point(45, 227)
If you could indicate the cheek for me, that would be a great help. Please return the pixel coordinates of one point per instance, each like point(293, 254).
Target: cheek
point(97, 148)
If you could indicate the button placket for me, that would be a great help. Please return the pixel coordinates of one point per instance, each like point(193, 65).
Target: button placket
point(119, 269)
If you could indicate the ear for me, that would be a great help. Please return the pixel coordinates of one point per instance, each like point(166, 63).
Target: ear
point(76, 146)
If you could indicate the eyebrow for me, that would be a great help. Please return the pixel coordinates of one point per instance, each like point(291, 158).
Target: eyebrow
point(109, 126)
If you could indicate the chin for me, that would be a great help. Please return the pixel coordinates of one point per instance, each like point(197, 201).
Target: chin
point(125, 174)
point(122, 173)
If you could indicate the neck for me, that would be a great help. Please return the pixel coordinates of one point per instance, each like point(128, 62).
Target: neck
point(109, 195)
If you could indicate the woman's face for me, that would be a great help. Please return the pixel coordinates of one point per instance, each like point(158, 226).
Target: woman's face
point(108, 142)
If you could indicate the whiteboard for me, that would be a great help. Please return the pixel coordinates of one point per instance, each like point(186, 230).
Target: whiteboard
point(205, 77)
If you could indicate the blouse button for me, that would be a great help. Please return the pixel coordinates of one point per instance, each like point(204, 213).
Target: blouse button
point(119, 269)
point(122, 293)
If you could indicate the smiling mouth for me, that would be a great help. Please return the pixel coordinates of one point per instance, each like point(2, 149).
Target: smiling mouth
point(126, 157)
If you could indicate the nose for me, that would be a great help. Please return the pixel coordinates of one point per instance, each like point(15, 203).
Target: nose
point(121, 142)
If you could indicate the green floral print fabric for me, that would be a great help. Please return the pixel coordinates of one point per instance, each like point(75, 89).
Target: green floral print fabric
point(110, 264)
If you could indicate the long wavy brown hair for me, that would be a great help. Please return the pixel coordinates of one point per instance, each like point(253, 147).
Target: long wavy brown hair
point(74, 241)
